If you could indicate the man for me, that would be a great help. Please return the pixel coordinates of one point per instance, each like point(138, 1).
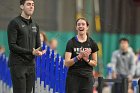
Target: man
point(24, 45)
point(123, 63)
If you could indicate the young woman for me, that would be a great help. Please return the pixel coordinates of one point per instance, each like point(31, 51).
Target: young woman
point(80, 57)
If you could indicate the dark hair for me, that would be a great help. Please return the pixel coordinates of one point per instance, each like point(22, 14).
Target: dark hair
point(82, 18)
point(123, 39)
point(22, 2)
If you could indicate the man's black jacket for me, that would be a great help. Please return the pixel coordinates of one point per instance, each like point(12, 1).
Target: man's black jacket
point(23, 36)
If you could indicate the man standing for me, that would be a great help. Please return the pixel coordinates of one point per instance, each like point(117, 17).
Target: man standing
point(123, 63)
point(24, 44)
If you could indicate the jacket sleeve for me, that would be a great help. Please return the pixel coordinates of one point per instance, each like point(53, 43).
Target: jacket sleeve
point(114, 61)
point(38, 42)
point(12, 33)
point(132, 64)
